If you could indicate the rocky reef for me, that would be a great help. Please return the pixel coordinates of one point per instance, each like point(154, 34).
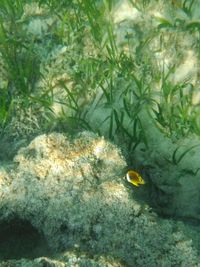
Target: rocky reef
point(72, 192)
point(66, 259)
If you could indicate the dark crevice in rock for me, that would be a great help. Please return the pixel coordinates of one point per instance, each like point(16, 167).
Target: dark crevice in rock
point(19, 239)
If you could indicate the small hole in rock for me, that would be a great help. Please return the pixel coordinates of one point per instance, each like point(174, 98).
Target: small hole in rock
point(19, 239)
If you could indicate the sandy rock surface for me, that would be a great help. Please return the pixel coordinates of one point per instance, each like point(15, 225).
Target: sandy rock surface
point(73, 192)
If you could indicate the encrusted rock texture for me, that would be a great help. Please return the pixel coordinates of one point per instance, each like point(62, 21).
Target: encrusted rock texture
point(71, 189)
point(65, 259)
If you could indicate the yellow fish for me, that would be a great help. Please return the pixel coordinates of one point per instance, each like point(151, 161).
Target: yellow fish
point(134, 178)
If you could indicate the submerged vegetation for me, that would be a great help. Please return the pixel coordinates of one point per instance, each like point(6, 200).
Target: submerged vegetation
point(81, 65)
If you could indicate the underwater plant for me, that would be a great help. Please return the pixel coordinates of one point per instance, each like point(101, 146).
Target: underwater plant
point(116, 67)
point(19, 61)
